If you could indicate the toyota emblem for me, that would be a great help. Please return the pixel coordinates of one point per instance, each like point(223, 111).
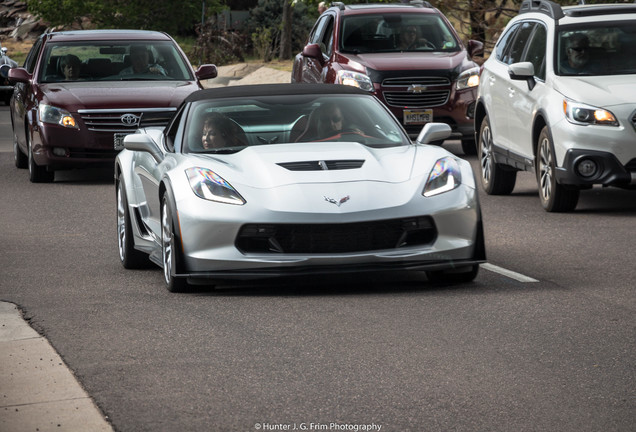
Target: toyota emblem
point(130, 119)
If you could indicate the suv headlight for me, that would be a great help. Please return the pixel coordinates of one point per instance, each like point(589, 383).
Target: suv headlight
point(354, 79)
point(582, 114)
point(208, 185)
point(468, 79)
point(445, 176)
point(55, 115)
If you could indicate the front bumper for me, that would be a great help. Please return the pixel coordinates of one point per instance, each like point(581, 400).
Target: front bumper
point(585, 168)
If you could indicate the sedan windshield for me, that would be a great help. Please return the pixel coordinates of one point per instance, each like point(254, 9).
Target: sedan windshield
point(603, 49)
point(230, 125)
point(396, 33)
point(113, 61)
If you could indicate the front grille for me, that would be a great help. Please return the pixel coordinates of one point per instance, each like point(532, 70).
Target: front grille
point(336, 238)
point(322, 165)
point(407, 81)
point(429, 98)
point(104, 120)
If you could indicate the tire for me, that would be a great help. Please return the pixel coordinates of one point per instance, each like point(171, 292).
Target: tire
point(37, 173)
point(460, 275)
point(130, 257)
point(170, 250)
point(469, 147)
point(554, 196)
point(496, 179)
point(21, 160)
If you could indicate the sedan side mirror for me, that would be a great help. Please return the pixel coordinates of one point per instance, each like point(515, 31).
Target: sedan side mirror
point(206, 71)
point(19, 75)
point(433, 132)
point(142, 142)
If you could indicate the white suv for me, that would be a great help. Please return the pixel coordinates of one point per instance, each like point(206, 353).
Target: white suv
point(558, 96)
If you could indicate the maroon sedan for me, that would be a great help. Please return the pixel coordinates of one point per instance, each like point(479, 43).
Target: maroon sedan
point(408, 55)
point(80, 92)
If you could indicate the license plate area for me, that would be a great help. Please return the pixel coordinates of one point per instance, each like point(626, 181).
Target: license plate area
point(118, 139)
point(417, 117)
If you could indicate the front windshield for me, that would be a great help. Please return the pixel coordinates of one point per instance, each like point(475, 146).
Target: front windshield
point(603, 49)
point(396, 32)
point(230, 125)
point(113, 61)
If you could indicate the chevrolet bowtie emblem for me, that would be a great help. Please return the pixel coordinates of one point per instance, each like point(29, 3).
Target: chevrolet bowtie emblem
point(416, 88)
point(338, 203)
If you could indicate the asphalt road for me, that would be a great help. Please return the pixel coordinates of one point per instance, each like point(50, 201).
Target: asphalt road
point(504, 353)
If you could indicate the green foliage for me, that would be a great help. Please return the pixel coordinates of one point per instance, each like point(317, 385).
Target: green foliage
point(173, 17)
point(266, 18)
point(218, 46)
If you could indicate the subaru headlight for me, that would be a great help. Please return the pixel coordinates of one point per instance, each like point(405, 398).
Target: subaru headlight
point(445, 176)
point(354, 79)
point(468, 79)
point(208, 185)
point(582, 114)
point(55, 115)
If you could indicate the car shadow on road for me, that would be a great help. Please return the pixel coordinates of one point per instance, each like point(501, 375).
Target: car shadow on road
point(87, 176)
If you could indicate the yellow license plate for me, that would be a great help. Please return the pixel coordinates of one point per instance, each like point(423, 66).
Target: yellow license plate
point(418, 116)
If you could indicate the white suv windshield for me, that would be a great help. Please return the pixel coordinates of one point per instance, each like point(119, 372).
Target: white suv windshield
point(604, 49)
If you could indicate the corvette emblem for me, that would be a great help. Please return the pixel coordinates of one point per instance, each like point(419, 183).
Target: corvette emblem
point(129, 119)
point(338, 203)
point(416, 88)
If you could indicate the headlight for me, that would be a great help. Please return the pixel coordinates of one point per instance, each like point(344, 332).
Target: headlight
point(355, 79)
point(468, 79)
point(208, 185)
point(55, 115)
point(445, 176)
point(581, 114)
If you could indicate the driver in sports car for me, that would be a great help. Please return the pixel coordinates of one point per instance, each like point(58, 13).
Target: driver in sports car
point(331, 122)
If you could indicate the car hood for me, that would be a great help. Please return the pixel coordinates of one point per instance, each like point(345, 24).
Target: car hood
point(284, 164)
point(125, 94)
point(384, 62)
point(601, 91)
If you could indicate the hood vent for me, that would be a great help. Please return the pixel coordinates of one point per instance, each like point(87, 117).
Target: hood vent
point(323, 165)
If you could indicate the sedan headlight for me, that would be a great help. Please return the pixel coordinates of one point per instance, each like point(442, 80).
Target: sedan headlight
point(55, 115)
point(582, 114)
point(354, 79)
point(445, 176)
point(208, 185)
point(468, 79)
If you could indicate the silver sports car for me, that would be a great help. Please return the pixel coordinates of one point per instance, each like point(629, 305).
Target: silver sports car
point(260, 181)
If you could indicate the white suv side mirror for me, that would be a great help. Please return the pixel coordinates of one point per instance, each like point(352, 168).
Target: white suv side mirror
point(523, 71)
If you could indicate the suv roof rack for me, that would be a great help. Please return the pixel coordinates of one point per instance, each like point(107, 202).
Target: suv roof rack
point(339, 5)
point(416, 3)
point(601, 9)
point(547, 7)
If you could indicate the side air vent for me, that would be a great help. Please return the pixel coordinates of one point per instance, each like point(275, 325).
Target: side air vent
point(322, 165)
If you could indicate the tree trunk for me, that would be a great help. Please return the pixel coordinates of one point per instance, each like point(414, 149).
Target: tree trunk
point(285, 52)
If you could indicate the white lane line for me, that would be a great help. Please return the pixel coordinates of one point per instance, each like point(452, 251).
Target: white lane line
point(508, 273)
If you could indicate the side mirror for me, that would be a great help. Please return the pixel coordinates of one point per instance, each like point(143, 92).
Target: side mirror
point(4, 71)
point(313, 51)
point(142, 142)
point(475, 48)
point(19, 75)
point(206, 71)
point(523, 71)
point(433, 132)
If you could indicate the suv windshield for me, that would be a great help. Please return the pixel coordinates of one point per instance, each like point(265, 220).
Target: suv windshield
point(230, 125)
point(396, 33)
point(113, 61)
point(603, 49)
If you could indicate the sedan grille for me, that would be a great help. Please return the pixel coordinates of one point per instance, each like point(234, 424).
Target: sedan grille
point(336, 238)
point(322, 165)
point(125, 120)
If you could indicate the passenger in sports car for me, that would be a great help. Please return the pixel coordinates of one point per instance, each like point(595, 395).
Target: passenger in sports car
point(220, 131)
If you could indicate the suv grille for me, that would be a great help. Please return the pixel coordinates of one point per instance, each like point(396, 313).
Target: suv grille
point(427, 91)
point(105, 120)
point(336, 238)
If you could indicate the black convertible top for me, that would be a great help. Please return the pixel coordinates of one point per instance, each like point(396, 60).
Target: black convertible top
point(273, 90)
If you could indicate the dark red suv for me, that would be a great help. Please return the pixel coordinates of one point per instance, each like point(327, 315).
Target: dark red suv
point(408, 55)
point(80, 92)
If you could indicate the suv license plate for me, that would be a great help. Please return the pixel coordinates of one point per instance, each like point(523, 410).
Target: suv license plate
point(119, 140)
point(418, 117)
